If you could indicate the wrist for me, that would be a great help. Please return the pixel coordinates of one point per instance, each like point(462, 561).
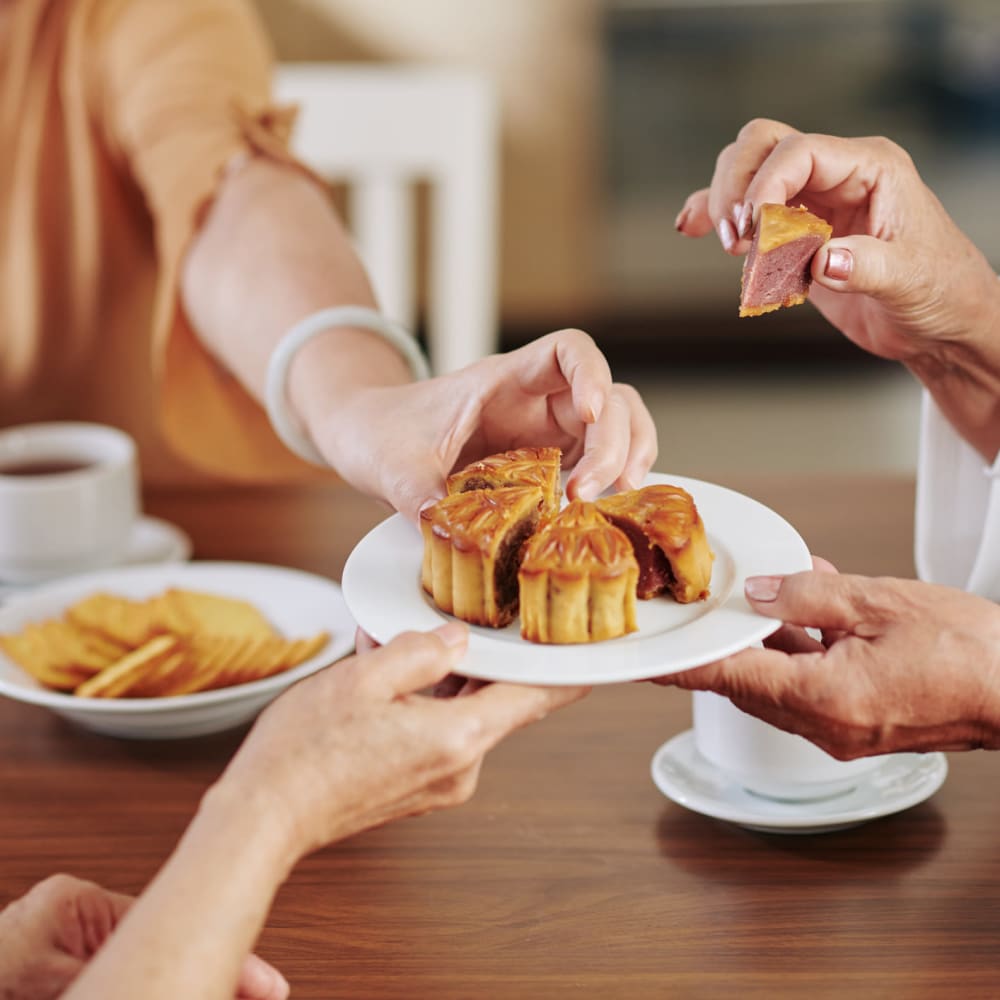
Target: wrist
point(273, 847)
point(328, 353)
point(336, 363)
point(962, 371)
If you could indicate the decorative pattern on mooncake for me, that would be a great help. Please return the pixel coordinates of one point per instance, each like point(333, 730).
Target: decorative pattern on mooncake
point(472, 550)
point(577, 579)
point(668, 536)
point(777, 270)
point(520, 467)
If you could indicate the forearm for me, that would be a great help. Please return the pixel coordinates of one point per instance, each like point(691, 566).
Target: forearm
point(968, 395)
point(190, 931)
point(272, 251)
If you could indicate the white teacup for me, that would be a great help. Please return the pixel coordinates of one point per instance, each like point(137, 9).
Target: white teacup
point(69, 499)
point(767, 761)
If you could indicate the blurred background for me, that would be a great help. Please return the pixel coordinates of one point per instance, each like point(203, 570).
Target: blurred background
point(612, 111)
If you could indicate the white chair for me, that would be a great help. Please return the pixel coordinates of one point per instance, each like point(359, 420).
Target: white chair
point(382, 129)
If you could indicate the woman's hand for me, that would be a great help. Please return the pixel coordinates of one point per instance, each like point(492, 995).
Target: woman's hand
point(898, 278)
point(51, 933)
point(400, 442)
point(348, 748)
point(902, 665)
point(898, 274)
point(358, 745)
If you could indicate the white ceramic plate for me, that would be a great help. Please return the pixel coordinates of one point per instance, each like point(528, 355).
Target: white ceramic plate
point(296, 603)
point(900, 781)
point(381, 584)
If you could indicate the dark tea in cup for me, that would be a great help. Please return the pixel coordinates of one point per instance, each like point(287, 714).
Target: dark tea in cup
point(68, 499)
point(43, 467)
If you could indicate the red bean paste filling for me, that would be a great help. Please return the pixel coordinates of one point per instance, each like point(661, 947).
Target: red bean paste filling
point(780, 273)
point(477, 484)
point(655, 574)
point(508, 563)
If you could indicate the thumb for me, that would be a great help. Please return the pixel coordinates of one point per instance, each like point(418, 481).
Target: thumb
point(813, 599)
point(411, 492)
point(259, 980)
point(863, 264)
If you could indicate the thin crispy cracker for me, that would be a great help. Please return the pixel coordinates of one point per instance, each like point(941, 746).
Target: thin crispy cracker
point(115, 680)
point(214, 614)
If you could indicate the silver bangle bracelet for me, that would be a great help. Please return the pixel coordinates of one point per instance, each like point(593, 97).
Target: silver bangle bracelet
point(285, 424)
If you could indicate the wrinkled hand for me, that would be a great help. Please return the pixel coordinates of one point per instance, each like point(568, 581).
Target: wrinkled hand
point(902, 666)
point(555, 391)
point(357, 745)
point(51, 933)
point(898, 277)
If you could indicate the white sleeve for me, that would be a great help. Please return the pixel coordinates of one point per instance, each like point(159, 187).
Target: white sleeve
point(958, 509)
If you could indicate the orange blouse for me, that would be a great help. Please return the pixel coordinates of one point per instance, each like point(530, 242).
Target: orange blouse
point(117, 121)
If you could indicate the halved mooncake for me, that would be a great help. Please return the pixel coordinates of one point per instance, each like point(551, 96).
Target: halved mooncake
point(668, 536)
point(776, 271)
point(472, 550)
point(520, 467)
point(577, 579)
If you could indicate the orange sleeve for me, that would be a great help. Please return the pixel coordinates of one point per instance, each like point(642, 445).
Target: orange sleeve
point(185, 89)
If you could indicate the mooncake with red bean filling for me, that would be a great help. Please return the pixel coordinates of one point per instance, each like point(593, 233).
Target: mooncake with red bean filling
point(472, 551)
point(577, 579)
point(520, 467)
point(777, 269)
point(668, 537)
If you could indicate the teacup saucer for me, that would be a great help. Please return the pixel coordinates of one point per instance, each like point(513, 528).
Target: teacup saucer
point(156, 541)
point(901, 781)
point(153, 541)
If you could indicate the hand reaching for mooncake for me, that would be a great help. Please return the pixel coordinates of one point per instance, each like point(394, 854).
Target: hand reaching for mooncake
point(898, 278)
point(555, 391)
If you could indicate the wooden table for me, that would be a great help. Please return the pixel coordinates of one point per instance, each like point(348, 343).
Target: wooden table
point(569, 874)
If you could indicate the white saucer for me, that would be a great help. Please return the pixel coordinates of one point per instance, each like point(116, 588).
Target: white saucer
point(903, 780)
point(154, 541)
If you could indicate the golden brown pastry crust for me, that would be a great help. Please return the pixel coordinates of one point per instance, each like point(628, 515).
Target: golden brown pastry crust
point(663, 519)
point(577, 579)
point(472, 549)
point(519, 467)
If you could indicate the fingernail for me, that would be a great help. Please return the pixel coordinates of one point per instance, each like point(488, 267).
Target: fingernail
point(452, 634)
point(744, 225)
point(736, 213)
point(727, 235)
point(682, 217)
point(762, 588)
point(428, 503)
point(839, 263)
point(593, 408)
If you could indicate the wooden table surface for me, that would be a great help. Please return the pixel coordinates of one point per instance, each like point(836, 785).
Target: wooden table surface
point(568, 874)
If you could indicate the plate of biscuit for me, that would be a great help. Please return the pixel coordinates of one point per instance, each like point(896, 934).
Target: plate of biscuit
point(634, 585)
